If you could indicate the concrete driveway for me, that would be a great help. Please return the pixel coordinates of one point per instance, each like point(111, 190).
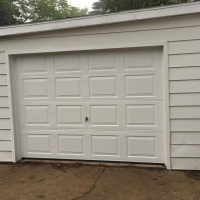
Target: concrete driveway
point(52, 181)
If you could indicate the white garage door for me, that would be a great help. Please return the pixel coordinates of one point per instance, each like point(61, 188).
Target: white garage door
point(94, 105)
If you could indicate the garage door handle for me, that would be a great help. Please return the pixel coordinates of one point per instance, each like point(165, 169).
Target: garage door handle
point(86, 119)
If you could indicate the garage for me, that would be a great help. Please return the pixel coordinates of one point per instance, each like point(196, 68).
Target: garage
point(96, 105)
point(118, 87)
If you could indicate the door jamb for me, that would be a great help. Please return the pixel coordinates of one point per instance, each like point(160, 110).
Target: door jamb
point(15, 140)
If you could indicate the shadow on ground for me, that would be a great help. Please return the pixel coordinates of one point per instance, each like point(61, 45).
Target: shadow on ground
point(35, 181)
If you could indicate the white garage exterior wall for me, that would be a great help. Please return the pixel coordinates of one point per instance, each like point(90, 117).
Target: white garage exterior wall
point(184, 79)
point(180, 38)
point(7, 152)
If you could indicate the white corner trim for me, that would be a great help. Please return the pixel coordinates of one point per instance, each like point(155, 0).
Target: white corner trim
point(15, 141)
point(167, 108)
point(143, 14)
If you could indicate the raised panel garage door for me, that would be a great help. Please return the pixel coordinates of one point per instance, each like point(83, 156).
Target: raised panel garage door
point(94, 105)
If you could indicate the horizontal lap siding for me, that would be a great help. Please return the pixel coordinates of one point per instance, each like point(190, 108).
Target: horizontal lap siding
point(190, 112)
point(185, 125)
point(2, 58)
point(184, 60)
point(185, 86)
point(5, 124)
point(185, 163)
point(192, 99)
point(184, 73)
point(184, 47)
point(5, 156)
point(185, 151)
point(5, 135)
point(4, 102)
point(3, 91)
point(5, 146)
point(2, 69)
point(185, 138)
point(4, 114)
point(184, 76)
point(3, 80)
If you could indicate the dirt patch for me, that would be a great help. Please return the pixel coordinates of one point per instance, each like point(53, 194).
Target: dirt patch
point(194, 175)
point(65, 167)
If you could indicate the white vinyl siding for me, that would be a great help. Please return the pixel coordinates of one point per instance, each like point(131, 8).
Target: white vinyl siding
point(185, 163)
point(5, 125)
point(2, 57)
point(3, 91)
point(184, 75)
point(193, 99)
point(4, 114)
point(2, 69)
point(5, 135)
point(4, 102)
point(185, 151)
point(3, 80)
point(190, 112)
point(185, 60)
point(6, 156)
point(5, 146)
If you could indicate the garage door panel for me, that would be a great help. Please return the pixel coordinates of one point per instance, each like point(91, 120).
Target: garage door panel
point(37, 115)
point(136, 58)
point(106, 115)
point(69, 87)
point(40, 116)
point(135, 115)
point(103, 86)
point(139, 86)
point(49, 89)
point(141, 115)
point(34, 64)
point(105, 146)
point(96, 105)
point(102, 145)
point(144, 116)
point(144, 87)
point(71, 144)
point(123, 86)
point(70, 115)
point(38, 144)
point(101, 61)
point(67, 62)
point(36, 88)
point(141, 146)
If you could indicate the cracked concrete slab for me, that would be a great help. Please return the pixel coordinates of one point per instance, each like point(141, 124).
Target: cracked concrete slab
point(54, 181)
point(93, 187)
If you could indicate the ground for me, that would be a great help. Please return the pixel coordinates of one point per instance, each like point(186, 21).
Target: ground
point(53, 181)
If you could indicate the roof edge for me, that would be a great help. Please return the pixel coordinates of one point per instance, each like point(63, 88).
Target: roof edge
point(94, 20)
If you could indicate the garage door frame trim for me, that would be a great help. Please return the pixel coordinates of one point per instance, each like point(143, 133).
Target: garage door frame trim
point(16, 155)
